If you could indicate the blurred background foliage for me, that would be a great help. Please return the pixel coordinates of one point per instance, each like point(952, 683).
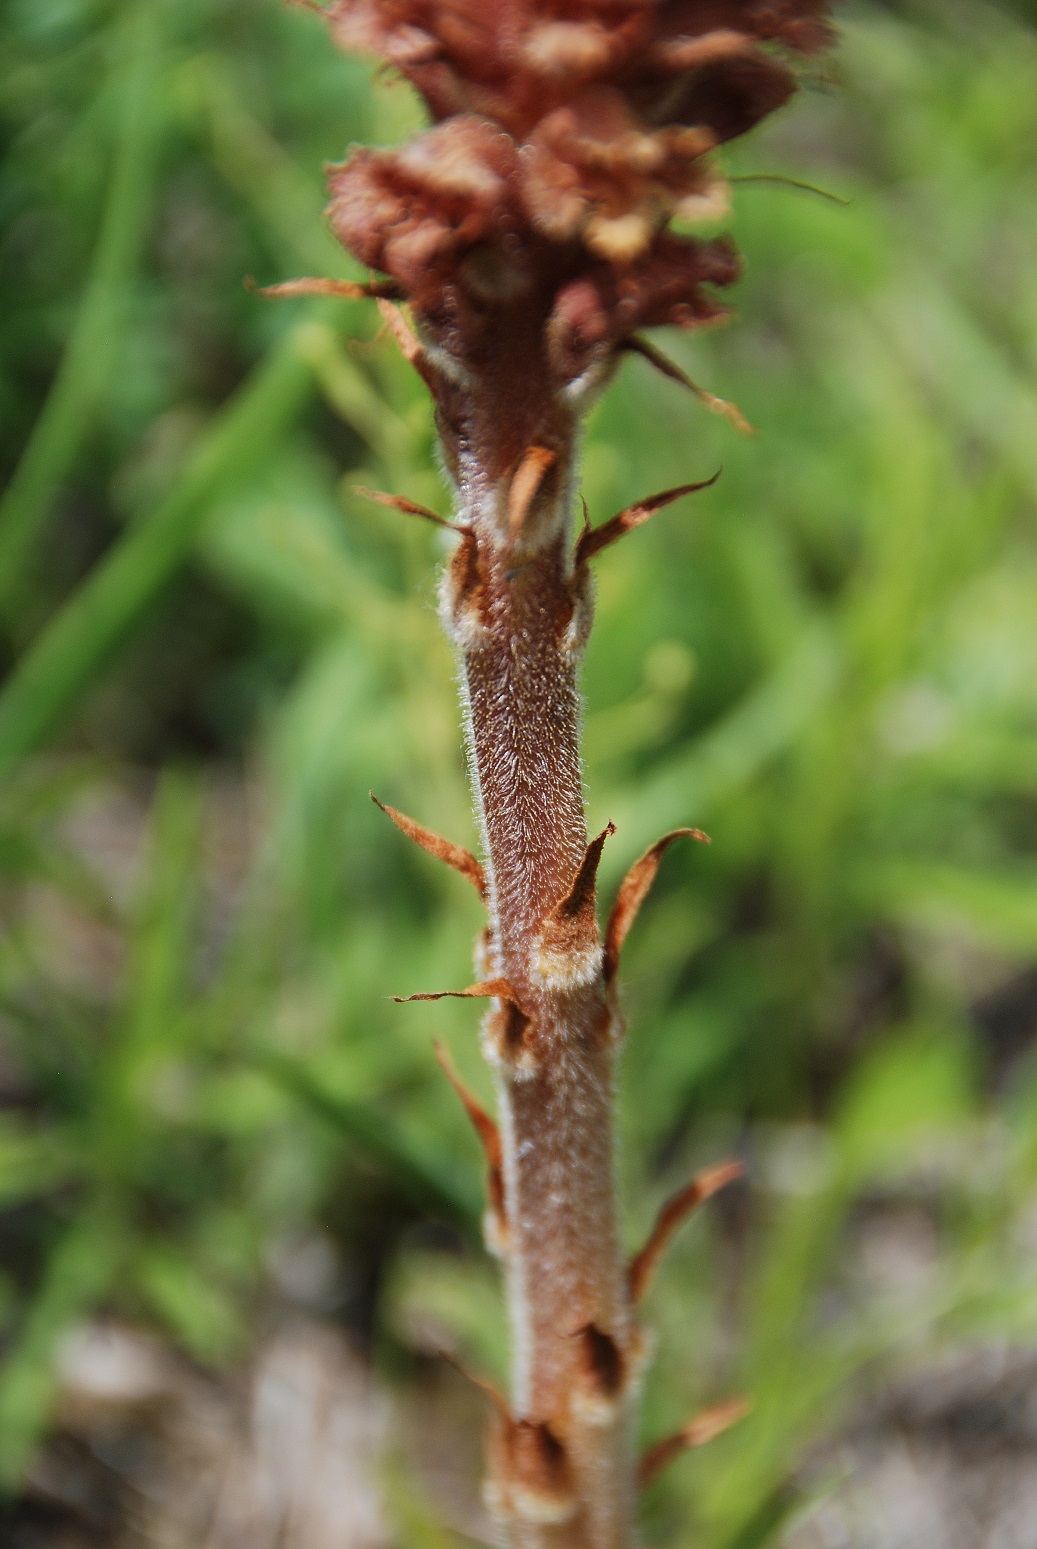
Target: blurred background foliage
point(212, 1114)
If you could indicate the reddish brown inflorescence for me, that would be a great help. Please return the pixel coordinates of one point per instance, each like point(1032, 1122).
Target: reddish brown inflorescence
point(545, 217)
point(565, 138)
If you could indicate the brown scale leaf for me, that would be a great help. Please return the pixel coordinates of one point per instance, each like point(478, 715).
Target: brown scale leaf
point(730, 411)
point(603, 1361)
point(486, 1129)
point(633, 891)
point(489, 989)
point(580, 899)
point(595, 539)
point(409, 345)
point(673, 1213)
point(703, 1428)
point(691, 53)
point(467, 593)
point(524, 486)
point(510, 1033)
point(312, 285)
point(508, 1029)
point(530, 1474)
point(409, 508)
point(485, 1386)
point(569, 950)
point(485, 1126)
point(454, 855)
point(733, 94)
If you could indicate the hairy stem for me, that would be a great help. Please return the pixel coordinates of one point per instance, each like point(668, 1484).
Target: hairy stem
point(519, 612)
point(528, 229)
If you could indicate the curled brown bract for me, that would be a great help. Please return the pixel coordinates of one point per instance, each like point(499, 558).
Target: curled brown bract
point(634, 889)
point(676, 1210)
point(702, 1429)
point(454, 855)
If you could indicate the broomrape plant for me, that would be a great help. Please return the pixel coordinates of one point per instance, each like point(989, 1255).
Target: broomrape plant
point(533, 231)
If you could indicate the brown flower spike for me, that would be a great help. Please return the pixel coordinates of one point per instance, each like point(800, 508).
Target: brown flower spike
point(548, 214)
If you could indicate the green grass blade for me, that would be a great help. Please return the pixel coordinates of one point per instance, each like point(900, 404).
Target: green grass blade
point(89, 357)
point(80, 1270)
point(432, 1188)
point(74, 646)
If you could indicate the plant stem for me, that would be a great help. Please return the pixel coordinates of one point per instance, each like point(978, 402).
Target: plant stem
point(528, 229)
point(519, 613)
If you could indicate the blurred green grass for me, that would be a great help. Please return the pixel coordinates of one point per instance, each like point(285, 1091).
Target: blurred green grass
point(214, 649)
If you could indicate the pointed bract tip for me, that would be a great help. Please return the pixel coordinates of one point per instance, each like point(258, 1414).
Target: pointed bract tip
point(633, 891)
point(800, 184)
point(408, 507)
point(482, 1122)
point(489, 989)
point(568, 952)
point(702, 1429)
point(594, 539)
point(316, 285)
point(454, 855)
point(669, 368)
point(484, 1385)
point(671, 1215)
point(408, 344)
point(581, 895)
point(495, 1223)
